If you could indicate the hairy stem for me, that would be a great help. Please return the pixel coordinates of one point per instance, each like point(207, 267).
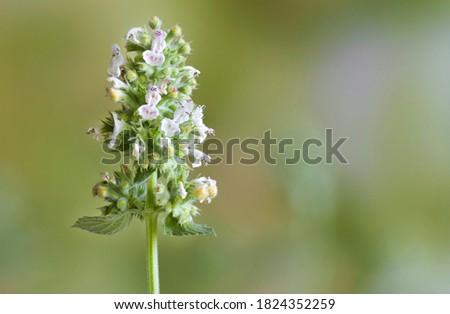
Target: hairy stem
point(151, 220)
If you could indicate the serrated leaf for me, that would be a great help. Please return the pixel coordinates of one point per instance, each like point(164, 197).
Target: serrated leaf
point(172, 227)
point(104, 225)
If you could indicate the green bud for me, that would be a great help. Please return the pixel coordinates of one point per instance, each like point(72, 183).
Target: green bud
point(173, 92)
point(186, 129)
point(192, 82)
point(168, 71)
point(144, 164)
point(145, 39)
point(155, 22)
point(124, 185)
point(131, 75)
point(187, 90)
point(170, 150)
point(103, 191)
point(176, 31)
point(100, 191)
point(177, 60)
point(185, 49)
point(169, 207)
point(122, 204)
point(154, 157)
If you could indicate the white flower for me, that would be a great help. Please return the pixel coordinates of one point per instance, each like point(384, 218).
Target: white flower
point(203, 131)
point(118, 127)
point(197, 120)
point(148, 112)
point(114, 71)
point(137, 149)
point(116, 62)
point(197, 116)
point(106, 177)
point(153, 97)
point(187, 105)
point(163, 85)
point(182, 113)
point(182, 190)
point(153, 58)
point(135, 34)
point(199, 156)
point(116, 51)
point(159, 40)
point(116, 82)
point(197, 163)
point(169, 127)
point(96, 132)
point(191, 71)
point(205, 189)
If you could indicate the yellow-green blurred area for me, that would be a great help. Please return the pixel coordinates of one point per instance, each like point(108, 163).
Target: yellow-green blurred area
point(377, 72)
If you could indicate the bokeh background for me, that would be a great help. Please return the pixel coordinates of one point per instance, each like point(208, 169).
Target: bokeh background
point(377, 72)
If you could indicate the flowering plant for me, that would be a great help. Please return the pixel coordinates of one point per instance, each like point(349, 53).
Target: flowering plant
point(159, 127)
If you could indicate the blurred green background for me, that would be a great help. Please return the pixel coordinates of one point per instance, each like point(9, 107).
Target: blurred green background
point(377, 72)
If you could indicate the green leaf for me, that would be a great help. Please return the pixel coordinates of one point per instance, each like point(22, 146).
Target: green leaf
point(133, 47)
point(105, 225)
point(172, 227)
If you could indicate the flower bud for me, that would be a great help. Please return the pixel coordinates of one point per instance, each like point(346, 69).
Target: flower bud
point(122, 204)
point(185, 49)
point(143, 163)
point(187, 90)
point(173, 92)
point(124, 185)
point(154, 157)
point(186, 129)
point(176, 31)
point(131, 75)
point(178, 60)
point(170, 150)
point(116, 95)
point(184, 219)
point(100, 191)
point(155, 22)
point(107, 178)
point(192, 82)
point(145, 39)
point(168, 72)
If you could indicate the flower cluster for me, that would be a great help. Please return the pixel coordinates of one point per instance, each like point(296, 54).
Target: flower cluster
point(159, 126)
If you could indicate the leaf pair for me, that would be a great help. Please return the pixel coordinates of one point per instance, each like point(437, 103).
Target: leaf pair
point(111, 224)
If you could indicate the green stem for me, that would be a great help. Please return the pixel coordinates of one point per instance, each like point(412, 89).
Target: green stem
point(151, 220)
